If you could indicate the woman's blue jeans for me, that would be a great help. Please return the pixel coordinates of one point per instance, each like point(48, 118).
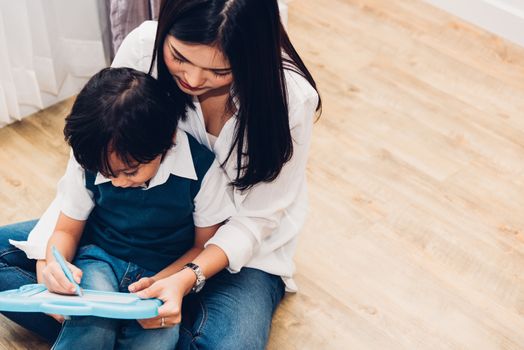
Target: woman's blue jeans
point(15, 271)
point(233, 311)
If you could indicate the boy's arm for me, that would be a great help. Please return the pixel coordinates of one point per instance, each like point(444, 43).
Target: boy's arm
point(65, 238)
point(72, 198)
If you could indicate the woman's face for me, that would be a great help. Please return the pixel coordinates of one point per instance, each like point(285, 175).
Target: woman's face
point(196, 68)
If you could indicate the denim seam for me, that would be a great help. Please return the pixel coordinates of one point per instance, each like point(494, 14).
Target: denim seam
point(203, 322)
point(24, 272)
point(187, 331)
point(9, 251)
point(59, 336)
point(121, 284)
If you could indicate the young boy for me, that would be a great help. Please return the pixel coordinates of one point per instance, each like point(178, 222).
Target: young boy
point(139, 199)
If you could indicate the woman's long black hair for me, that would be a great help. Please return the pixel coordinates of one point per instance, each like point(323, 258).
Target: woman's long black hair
point(251, 36)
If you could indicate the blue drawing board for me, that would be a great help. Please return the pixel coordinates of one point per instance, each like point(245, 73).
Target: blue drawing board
point(36, 298)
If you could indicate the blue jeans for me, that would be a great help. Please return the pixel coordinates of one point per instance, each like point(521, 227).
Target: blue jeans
point(233, 311)
point(102, 271)
point(15, 271)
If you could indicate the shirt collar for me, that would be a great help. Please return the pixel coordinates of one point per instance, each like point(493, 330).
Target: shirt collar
point(178, 161)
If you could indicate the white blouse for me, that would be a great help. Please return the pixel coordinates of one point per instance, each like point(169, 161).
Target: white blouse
point(212, 140)
point(263, 232)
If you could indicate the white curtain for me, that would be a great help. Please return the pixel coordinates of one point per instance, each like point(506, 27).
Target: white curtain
point(48, 50)
point(282, 5)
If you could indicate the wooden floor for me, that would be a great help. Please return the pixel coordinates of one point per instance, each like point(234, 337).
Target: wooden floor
point(415, 238)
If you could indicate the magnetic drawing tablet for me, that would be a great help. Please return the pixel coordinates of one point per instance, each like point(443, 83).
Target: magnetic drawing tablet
point(36, 298)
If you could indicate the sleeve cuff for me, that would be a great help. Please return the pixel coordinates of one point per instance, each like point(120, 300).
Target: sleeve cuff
point(202, 221)
point(236, 244)
point(36, 252)
point(36, 244)
point(213, 203)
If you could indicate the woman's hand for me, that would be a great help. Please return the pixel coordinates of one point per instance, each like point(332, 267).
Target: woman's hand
point(56, 281)
point(170, 290)
point(143, 283)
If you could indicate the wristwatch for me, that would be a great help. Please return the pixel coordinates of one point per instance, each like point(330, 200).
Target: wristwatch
point(200, 278)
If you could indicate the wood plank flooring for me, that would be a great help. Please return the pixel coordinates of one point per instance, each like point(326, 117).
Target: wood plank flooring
point(415, 237)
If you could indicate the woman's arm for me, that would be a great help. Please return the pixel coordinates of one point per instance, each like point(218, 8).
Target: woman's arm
point(202, 235)
point(212, 204)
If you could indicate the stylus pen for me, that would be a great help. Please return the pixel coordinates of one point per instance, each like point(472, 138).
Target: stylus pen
point(66, 270)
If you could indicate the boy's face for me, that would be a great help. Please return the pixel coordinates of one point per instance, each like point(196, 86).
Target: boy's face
point(135, 175)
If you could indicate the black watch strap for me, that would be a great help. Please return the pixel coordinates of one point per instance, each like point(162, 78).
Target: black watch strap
point(200, 278)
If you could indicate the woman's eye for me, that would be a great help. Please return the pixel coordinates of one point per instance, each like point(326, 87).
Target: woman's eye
point(178, 60)
point(221, 75)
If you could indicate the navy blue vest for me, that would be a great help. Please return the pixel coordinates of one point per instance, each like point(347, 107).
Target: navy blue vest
point(151, 228)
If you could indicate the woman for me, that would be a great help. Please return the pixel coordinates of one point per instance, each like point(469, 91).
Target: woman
point(252, 101)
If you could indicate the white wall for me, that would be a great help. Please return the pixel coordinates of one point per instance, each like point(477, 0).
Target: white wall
point(502, 17)
point(518, 4)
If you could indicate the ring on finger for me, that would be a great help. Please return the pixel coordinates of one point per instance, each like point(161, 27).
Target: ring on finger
point(162, 322)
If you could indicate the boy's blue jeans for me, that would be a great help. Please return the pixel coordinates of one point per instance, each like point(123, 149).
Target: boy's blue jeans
point(105, 272)
point(233, 311)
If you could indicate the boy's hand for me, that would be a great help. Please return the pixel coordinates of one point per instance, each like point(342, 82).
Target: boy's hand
point(56, 281)
point(143, 283)
point(40, 266)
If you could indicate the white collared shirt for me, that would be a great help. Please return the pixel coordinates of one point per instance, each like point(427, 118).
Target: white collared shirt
point(212, 203)
point(263, 232)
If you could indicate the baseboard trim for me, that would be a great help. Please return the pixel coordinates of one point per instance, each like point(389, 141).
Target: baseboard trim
point(500, 17)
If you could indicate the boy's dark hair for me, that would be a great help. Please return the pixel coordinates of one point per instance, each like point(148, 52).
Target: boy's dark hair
point(124, 111)
point(251, 36)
